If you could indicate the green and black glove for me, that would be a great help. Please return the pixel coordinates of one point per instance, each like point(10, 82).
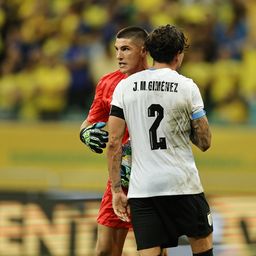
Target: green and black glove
point(126, 164)
point(95, 137)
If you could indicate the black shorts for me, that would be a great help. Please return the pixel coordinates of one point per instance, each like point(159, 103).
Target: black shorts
point(161, 220)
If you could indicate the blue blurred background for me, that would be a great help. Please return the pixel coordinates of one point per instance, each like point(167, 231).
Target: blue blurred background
point(53, 53)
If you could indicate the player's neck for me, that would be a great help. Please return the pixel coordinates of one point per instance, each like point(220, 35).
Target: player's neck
point(158, 65)
point(174, 64)
point(143, 66)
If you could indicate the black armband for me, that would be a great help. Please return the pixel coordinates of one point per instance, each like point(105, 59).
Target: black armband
point(116, 111)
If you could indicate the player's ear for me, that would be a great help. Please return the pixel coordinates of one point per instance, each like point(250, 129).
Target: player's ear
point(180, 57)
point(177, 58)
point(143, 51)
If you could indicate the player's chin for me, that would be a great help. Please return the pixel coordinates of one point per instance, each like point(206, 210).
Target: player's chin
point(124, 69)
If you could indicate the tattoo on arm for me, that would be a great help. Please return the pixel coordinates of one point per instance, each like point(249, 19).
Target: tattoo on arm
point(117, 187)
point(115, 158)
point(200, 133)
point(114, 151)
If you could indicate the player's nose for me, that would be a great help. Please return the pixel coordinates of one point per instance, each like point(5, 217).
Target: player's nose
point(119, 55)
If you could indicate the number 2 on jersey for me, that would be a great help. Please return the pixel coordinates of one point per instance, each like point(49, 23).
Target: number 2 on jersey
point(158, 111)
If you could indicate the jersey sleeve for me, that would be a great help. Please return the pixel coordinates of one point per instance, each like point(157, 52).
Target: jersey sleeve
point(100, 107)
point(117, 106)
point(117, 96)
point(197, 104)
point(96, 112)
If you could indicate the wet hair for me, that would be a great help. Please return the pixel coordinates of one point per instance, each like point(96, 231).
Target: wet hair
point(135, 33)
point(165, 42)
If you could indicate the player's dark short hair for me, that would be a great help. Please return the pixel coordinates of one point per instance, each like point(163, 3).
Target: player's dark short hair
point(165, 42)
point(133, 32)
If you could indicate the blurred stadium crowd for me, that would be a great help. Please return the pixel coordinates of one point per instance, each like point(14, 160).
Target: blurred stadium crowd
point(53, 52)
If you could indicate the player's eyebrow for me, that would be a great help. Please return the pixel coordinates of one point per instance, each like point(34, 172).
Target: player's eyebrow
point(122, 47)
point(125, 46)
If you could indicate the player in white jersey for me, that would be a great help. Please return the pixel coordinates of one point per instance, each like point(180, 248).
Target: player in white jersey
point(164, 111)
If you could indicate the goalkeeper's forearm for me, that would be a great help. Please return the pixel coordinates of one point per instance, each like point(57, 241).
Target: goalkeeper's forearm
point(85, 124)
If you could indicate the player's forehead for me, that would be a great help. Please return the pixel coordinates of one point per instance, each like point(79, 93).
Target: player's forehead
point(126, 42)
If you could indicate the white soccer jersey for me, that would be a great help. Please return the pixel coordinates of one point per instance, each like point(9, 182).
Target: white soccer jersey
point(158, 106)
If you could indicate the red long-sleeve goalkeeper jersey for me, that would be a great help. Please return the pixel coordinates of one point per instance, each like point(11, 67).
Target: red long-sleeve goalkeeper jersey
point(100, 108)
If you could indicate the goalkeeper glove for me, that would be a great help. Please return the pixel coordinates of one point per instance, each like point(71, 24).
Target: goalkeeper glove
point(126, 164)
point(125, 175)
point(94, 137)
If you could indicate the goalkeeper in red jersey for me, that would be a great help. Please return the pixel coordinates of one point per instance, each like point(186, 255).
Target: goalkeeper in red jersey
point(132, 57)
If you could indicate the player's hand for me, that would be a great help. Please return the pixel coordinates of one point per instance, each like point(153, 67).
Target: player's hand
point(164, 252)
point(120, 206)
point(95, 137)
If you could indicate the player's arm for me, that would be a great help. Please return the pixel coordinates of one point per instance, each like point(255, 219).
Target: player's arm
point(85, 124)
point(116, 126)
point(200, 133)
point(94, 136)
point(200, 130)
point(92, 133)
